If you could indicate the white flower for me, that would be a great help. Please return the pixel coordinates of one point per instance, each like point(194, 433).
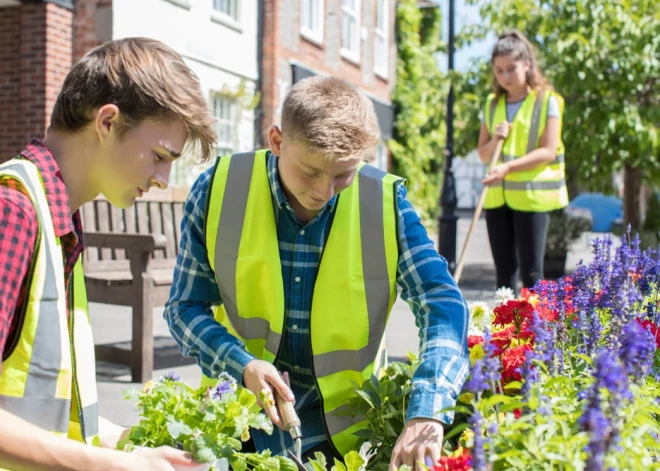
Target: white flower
point(481, 318)
point(503, 295)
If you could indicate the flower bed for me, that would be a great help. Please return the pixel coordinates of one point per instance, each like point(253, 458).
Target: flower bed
point(564, 378)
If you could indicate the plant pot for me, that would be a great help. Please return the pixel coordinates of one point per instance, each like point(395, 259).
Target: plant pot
point(554, 266)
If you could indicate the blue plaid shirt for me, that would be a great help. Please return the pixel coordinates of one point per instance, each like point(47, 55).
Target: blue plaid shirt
point(439, 308)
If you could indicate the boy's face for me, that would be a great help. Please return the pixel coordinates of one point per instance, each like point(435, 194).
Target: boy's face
point(309, 179)
point(139, 159)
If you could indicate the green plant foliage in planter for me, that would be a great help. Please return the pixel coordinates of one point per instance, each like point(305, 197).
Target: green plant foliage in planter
point(566, 226)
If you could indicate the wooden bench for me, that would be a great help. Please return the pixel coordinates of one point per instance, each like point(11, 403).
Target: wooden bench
point(129, 260)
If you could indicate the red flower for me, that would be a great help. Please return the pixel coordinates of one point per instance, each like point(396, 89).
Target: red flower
point(654, 329)
point(474, 340)
point(517, 413)
point(455, 463)
point(512, 360)
point(526, 293)
point(513, 312)
point(502, 339)
point(547, 313)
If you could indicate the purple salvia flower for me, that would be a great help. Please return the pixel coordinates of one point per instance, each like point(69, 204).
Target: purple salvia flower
point(637, 351)
point(594, 422)
point(609, 374)
point(478, 450)
point(486, 371)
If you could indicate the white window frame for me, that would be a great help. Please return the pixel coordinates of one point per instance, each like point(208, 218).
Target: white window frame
point(381, 160)
point(233, 18)
point(315, 33)
point(352, 52)
point(382, 70)
point(227, 146)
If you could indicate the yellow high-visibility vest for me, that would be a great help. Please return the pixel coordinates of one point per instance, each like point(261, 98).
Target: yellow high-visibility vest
point(354, 290)
point(539, 189)
point(48, 374)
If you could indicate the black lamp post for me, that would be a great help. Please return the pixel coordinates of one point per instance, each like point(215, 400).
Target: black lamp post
point(448, 218)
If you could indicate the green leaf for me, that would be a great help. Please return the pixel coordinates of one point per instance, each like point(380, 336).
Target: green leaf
point(287, 464)
point(353, 461)
point(202, 452)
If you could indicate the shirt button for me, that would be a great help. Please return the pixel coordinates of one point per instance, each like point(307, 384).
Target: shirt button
point(294, 327)
point(297, 368)
point(302, 232)
point(297, 279)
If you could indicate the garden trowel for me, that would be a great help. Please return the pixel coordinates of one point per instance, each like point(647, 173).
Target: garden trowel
point(291, 424)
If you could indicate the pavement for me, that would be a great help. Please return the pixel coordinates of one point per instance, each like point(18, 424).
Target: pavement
point(112, 324)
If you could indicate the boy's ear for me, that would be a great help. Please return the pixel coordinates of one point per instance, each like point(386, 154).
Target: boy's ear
point(275, 140)
point(106, 120)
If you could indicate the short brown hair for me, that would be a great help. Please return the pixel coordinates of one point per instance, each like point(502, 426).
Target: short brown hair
point(145, 79)
point(332, 117)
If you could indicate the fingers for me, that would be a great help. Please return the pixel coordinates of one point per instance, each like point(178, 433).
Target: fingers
point(270, 407)
point(175, 456)
point(278, 383)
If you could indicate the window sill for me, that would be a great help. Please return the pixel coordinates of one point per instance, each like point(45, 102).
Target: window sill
point(351, 57)
point(226, 20)
point(312, 37)
point(180, 3)
point(382, 75)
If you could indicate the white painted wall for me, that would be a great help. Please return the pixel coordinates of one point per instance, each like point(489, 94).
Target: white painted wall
point(222, 53)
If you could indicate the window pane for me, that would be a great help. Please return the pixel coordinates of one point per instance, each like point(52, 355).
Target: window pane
point(380, 14)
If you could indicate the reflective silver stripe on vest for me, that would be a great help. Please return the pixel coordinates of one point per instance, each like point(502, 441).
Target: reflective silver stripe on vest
point(559, 159)
point(45, 362)
point(47, 413)
point(554, 185)
point(376, 278)
point(493, 104)
point(227, 243)
point(91, 418)
point(536, 120)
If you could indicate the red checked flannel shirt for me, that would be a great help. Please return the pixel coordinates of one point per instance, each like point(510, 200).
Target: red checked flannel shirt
point(18, 230)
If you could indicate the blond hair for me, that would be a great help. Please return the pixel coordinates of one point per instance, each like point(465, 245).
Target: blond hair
point(332, 117)
point(145, 79)
point(516, 45)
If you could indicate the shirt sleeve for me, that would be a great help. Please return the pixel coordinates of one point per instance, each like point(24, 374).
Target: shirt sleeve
point(441, 314)
point(553, 107)
point(18, 229)
point(195, 291)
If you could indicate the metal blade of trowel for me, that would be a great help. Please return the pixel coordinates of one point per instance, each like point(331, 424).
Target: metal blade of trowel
point(299, 463)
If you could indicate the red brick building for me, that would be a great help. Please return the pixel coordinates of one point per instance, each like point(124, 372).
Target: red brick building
point(353, 39)
point(39, 41)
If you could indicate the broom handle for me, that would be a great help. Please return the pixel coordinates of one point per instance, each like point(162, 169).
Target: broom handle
point(477, 212)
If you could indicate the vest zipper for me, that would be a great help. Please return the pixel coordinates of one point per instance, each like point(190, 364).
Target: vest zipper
point(76, 387)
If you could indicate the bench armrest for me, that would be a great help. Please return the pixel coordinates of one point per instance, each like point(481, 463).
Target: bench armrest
point(128, 242)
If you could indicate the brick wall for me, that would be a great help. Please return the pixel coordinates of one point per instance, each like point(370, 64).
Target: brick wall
point(35, 54)
point(283, 43)
point(39, 42)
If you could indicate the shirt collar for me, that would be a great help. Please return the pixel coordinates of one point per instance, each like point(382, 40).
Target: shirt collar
point(56, 193)
point(276, 187)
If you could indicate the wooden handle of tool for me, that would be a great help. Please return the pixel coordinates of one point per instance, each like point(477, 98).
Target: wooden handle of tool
point(287, 412)
point(477, 212)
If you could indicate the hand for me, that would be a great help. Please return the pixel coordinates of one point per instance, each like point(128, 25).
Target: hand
point(420, 442)
point(502, 130)
point(261, 376)
point(163, 458)
point(496, 175)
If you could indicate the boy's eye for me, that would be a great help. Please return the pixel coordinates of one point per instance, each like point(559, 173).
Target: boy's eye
point(159, 157)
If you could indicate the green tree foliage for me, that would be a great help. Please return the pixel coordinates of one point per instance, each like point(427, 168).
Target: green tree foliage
point(603, 56)
point(420, 102)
